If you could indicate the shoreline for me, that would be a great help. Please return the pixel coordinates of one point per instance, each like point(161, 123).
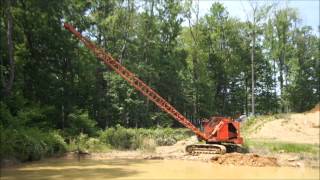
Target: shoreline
point(228, 159)
point(233, 159)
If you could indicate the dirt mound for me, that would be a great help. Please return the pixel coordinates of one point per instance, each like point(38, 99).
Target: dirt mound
point(294, 127)
point(238, 159)
point(315, 109)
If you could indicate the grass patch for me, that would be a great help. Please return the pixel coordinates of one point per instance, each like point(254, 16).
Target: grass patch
point(275, 146)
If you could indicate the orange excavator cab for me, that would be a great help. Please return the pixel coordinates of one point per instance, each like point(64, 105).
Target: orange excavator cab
point(223, 135)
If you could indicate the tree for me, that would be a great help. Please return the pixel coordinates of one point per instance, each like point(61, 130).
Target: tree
point(259, 13)
point(8, 69)
point(284, 19)
point(49, 80)
point(302, 90)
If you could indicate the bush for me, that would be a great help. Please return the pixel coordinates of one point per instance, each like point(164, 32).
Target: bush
point(129, 138)
point(84, 143)
point(30, 144)
point(55, 144)
point(147, 144)
point(79, 121)
point(119, 137)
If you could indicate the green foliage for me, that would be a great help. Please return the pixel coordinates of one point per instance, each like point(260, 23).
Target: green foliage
point(80, 121)
point(118, 137)
point(55, 144)
point(34, 116)
point(30, 143)
point(128, 138)
point(84, 143)
point(31, 116)
point(6, 116)
point(169, 136)
point(202, 70)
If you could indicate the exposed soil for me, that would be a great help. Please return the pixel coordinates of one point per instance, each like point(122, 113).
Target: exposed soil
point(177, 151)
point(294, 128)
point(238, 159)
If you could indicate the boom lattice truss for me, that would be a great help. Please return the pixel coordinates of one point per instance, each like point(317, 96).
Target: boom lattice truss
point(132, 79)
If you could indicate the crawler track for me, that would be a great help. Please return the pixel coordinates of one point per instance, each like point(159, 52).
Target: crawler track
point(196, 149)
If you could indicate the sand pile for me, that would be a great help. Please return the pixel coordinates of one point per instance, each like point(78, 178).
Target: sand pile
point(315, 109)
point(293, 127)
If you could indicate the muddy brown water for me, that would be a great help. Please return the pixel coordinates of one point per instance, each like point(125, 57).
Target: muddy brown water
point(148, 169)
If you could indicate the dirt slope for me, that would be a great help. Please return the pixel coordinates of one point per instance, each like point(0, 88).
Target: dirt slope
point(296, 128)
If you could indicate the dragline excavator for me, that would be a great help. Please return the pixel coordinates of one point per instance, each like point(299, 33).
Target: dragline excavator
point(219, 133)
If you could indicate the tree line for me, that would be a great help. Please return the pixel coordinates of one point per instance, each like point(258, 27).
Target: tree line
point(215, 64)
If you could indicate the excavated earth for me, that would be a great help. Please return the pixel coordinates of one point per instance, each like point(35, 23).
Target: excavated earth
point(303, 128)
point(298, 128)
point(177, 152)
point(238, 159)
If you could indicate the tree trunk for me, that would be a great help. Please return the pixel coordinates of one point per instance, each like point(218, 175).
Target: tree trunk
point(281, 82)
point(246, 98)
point(7, 84)
point(195, 80)
point(62, 117)
point(252, 67)
point(194, 35)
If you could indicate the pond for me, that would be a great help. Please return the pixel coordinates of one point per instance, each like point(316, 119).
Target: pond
point(148, 169)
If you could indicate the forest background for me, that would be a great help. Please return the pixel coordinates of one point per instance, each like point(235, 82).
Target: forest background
point(216, 65)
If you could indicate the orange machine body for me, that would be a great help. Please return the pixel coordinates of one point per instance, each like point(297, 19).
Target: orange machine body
point(222, 130)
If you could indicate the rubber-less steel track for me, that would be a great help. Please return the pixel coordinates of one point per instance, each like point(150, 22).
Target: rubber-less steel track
point(196, 149)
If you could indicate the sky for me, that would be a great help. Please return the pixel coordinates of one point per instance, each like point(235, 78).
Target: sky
point(308, 10)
